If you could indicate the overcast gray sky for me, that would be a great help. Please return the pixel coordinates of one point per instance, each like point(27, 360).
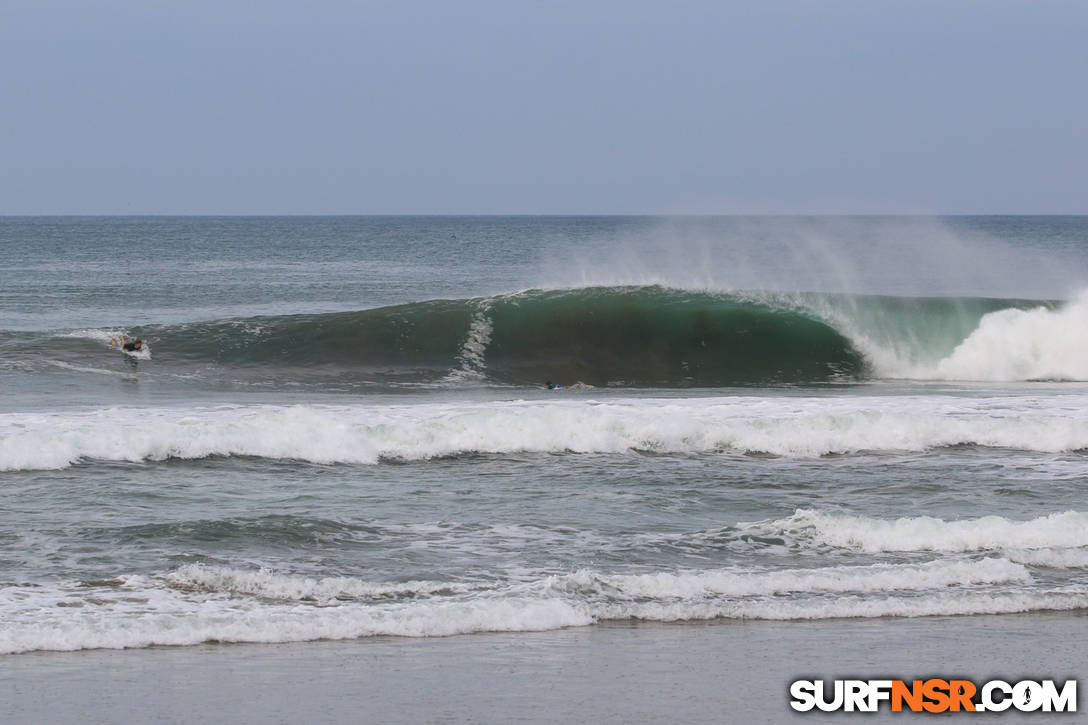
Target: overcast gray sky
point(542, 106)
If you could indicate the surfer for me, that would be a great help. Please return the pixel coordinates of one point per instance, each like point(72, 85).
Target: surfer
point(576, 386)
point(134, 346)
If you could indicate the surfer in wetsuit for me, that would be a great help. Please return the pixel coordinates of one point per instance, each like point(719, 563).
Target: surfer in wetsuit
point(574, 386)
point(134, 346)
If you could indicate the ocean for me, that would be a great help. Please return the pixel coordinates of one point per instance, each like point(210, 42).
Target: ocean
point(792, 440)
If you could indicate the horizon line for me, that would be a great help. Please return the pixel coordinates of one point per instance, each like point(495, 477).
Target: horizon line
point(244, 215)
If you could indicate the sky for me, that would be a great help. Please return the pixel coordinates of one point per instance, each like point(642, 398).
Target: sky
point(543, 107)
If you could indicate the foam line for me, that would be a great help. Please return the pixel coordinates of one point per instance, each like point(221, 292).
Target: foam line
point(787, 426)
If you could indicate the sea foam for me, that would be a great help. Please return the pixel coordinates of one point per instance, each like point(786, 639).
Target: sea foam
point(1053, 540)
point(1037, 344)
point(366, 434)
point(198, 604)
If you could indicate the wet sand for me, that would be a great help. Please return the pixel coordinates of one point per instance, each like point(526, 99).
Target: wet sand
point(716, 672)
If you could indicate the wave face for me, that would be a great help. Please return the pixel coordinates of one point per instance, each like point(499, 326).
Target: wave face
point(631, 336)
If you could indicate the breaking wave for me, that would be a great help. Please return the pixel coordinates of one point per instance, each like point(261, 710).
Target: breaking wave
point(1057, 540)
point(925, 533)
point(789, 426)
point(196, 603)
point(633, 336)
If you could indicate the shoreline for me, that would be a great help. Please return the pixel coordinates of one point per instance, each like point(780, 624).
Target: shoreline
point(621, 672)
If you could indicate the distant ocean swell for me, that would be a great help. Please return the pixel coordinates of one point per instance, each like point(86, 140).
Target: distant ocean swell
point(974, 566)
point(792, 427)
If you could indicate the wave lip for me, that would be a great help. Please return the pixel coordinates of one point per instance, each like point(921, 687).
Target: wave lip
point(198, 604)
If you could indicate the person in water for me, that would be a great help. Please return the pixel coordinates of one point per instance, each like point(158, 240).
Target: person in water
point(575, 386)
point(134, 346)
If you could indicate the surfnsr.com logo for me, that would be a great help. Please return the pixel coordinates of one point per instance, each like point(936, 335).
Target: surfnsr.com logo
point(933, 695)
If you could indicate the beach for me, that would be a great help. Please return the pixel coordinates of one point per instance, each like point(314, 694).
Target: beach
point(719, 672)
point(334, 485)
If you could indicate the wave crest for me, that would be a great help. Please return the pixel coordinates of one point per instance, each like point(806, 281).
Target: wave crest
point(796, 427)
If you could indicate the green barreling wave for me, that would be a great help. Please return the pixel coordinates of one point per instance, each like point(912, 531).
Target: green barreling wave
point(630, 336)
